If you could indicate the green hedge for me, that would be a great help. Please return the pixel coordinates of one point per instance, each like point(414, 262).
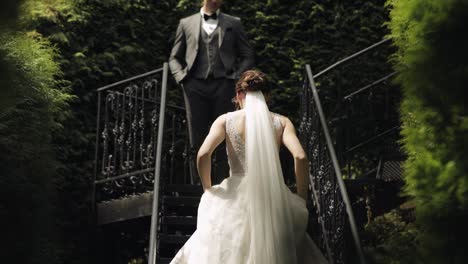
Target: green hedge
point(286, 35)
point(36, 108)
point(432, 63)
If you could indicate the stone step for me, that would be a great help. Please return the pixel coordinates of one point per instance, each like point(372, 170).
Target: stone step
point(164, 260)
point(185, 189)
point(173, 239)
point(179, 220)
point(188, 201)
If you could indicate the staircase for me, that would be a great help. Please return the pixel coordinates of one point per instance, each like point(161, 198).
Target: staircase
point(179, 218)
point(127, 174)
point(136, 133)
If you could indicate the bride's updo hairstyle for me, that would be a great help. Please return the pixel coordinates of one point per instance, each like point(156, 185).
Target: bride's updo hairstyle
point(252, 80)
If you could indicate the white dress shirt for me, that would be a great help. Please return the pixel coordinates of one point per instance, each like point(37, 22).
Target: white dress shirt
point(209, 25)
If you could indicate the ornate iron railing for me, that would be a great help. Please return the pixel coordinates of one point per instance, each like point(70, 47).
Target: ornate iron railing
point(129, 139)
point(363, 112)
point(128, 121)
point(142, 144)
point(126, 136)
point(342, 138)
point(368, 130)
point(328, 190)
point(328, 233)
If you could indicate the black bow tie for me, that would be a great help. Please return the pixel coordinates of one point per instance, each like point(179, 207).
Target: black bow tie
point(214, 16)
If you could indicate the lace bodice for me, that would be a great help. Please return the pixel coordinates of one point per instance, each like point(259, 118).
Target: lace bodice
point(235, 143)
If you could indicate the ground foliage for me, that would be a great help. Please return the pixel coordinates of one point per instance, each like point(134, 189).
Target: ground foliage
point(391, 239)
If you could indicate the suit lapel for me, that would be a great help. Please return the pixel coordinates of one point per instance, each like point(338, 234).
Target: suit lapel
point(196, 25)
point(222, 26)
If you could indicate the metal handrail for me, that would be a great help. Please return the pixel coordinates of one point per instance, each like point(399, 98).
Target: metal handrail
point(386, 132)
point(336, 166)
point(157, 170)
point(352, 56)
point(122, 176)
point(360, 90)
point(130, 79)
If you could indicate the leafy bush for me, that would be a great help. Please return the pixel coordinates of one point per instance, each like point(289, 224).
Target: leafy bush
point(389, 239)
point(27, 161)
point(432, 65)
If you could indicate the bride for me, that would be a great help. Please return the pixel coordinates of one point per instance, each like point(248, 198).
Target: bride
point(252, 216)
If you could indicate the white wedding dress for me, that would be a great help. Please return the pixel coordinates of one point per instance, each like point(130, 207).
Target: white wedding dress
point(224, 225)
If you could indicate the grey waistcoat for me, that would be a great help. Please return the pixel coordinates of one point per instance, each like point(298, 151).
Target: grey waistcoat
point(208, 62)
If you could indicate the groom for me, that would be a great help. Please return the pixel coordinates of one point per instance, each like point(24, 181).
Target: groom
point(210, 52)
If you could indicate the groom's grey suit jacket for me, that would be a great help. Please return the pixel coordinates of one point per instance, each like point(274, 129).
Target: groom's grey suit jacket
point(234, 50)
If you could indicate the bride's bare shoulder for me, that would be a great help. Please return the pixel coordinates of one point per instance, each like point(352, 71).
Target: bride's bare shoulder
point(283, 119)
point(220, 120)
point(238, 113)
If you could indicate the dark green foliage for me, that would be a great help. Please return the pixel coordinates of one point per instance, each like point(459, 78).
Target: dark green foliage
point(432, 63)
point(288, 35)
point(9, 11)
point(104, 41)
point(100, 42)
point(390, 239)
point(28, 165)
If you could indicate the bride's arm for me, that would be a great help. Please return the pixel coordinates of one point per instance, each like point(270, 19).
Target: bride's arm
point(301, 164)
point(215, 137)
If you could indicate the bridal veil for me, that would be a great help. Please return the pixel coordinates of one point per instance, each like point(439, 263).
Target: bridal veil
point(272, 233)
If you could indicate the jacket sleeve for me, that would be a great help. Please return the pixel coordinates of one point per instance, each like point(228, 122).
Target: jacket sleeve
point(177, 62)
point(246, 53)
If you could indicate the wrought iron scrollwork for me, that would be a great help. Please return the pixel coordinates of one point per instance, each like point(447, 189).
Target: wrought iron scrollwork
point(362, 122)
point(325, 191)
point(127, 129)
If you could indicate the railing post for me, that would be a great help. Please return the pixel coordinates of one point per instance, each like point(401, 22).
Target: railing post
point(96, 153)
point(157, 170)
point(191, 152)
point(336, 166)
